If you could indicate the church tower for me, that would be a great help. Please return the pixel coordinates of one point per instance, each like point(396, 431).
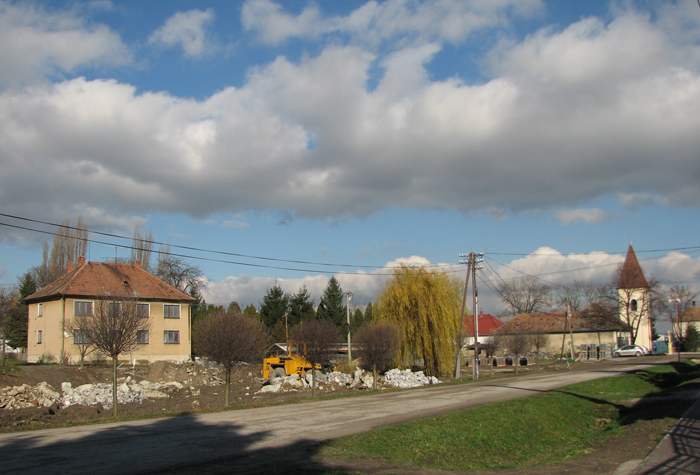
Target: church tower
point(634, 302)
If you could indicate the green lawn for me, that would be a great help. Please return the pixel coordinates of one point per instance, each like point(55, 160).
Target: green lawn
point(511, 434)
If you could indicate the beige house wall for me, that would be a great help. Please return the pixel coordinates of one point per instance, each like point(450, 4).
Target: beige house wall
point(589, 338)
point(55, 339)
point(644, 333)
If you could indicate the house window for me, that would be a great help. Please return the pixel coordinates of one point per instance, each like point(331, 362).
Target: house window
point(142, 310)
point(633, 305)
point(115, 309)
point(81, 337)
point(82, 309)
point(171, 337)
point(142, 337)
point(171, 311)
point(40, 312)
point(38, 337)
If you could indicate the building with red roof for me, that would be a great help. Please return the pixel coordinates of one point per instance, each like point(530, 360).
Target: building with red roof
point(53, 308)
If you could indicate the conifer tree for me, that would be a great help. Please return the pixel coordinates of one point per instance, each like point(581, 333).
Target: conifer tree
point(331, 307)
point(273, 307)
point(301, 307)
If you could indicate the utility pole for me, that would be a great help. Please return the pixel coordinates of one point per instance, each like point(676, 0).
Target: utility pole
point(348, 297)
point(477, 259)
point(472, 262)
point(460, 322)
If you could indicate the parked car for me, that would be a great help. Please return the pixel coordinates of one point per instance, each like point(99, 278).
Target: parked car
point(631, 350)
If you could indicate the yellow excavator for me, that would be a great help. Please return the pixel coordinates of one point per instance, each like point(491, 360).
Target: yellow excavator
point(279, 366)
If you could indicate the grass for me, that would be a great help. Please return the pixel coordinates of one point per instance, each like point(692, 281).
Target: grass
point(518, 433)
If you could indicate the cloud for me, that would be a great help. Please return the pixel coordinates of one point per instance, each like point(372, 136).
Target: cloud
point(237, 223)
point(594, 110)
point(586, 216)
point(375, 22)
point(187, 29)
point(35, 43)
point(365, 286)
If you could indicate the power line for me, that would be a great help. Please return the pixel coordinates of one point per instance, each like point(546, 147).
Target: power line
point(223, 261)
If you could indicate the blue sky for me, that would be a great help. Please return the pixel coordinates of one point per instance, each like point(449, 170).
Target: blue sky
point(353, 135)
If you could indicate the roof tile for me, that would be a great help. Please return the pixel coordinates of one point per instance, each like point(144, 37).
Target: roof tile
point(97, 279)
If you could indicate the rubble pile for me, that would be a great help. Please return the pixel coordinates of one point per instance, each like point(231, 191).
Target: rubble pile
point(198, 373)
point(408, 379)
point(20, 397)
point(127, 392)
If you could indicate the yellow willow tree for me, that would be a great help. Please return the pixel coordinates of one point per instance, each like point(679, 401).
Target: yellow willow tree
point(425, 305)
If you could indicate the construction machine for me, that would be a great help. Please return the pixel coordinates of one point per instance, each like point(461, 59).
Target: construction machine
point(292, 361)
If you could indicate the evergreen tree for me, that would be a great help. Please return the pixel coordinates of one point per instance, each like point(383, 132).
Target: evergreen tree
point(368, 312)
point(357, 321)
point(251, 311)
point(16, 327)
point(233, 307)
point(273, 307)
point(301, 307)
point(691, 340)
point(331, 307)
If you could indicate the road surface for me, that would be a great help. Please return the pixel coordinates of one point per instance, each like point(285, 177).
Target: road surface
point(279, 439)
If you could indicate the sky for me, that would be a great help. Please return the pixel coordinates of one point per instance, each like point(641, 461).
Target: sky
point(287, 142)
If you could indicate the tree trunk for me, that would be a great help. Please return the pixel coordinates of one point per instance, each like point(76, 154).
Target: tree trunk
point(313, 380)
point(228, 386)
point(114, 383)
point(374, 373)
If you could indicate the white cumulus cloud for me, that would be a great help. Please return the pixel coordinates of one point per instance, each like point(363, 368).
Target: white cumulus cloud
point(187, 29)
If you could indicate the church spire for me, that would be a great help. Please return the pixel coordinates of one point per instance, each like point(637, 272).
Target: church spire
point(632, 276)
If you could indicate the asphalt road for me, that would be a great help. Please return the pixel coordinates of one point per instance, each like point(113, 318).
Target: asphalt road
point(278, 439)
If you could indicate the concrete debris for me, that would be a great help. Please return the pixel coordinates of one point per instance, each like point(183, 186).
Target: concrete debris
point(408, 379)
point(359, 380)
point(20, 397)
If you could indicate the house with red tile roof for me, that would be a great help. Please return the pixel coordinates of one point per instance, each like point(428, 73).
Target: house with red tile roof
point(592, 326)
point(486, 325)
point(76, 293)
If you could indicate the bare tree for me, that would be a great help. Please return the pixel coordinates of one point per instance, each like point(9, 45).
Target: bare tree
point(69, 243)
point(379, 345)
point(141, 248)
point(229, 338)
point(539, 340)
point(491, 346)
point(178, 273)
point(525, 295)
point(673, 303)
point(114, 329)
point(579, 295)
point(518, 344)
point(315, 338)
point(81, 338)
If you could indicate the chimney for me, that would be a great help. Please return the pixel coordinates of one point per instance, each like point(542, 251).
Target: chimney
point(70, 267)
point(81, 260)
point(138, 264)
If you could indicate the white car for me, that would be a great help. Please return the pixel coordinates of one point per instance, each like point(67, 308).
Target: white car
point(631, 350)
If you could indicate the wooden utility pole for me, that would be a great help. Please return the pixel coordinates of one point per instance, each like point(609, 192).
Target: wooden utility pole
point(460, 323)
point(571, 330)
point(476, 318)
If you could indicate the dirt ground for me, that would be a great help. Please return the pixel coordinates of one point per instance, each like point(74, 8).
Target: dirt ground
point(639, 437)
